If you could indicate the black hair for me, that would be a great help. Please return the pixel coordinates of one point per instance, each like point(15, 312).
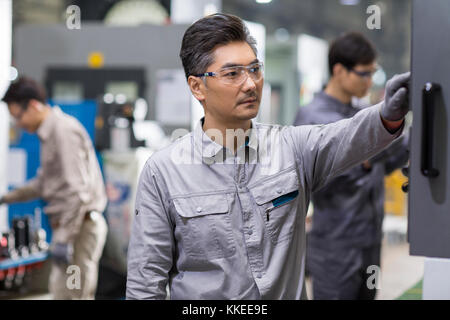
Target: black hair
point(205, 34)
point(23, 90)
point(350, 49)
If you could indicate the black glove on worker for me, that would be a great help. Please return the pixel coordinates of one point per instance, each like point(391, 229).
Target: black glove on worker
point(396, 102)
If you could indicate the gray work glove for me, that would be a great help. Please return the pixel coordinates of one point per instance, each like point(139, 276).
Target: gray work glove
point(396, 102)
point(62, 253)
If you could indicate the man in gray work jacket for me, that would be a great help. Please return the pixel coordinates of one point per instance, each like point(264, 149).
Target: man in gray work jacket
point(346, 234)
point(220, 213)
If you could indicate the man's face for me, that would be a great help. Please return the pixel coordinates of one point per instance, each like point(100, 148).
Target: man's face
point(25, 118)
point(358, 80)
point(231, 103)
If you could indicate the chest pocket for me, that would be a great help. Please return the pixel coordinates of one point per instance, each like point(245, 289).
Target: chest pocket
point(277, 200)
point(205, 224)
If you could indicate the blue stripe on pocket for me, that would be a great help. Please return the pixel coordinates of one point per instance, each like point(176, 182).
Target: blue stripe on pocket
point(285, 198)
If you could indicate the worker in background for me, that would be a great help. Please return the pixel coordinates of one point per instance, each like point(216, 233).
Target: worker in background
point(71, 183)
point(345, 238)
point(220, 213)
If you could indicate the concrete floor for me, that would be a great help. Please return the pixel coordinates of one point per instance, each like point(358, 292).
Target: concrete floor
point(399, 270)
point(40, 296)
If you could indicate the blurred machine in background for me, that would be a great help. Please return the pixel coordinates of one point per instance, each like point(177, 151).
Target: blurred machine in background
point(117, 64)
point(114, 127)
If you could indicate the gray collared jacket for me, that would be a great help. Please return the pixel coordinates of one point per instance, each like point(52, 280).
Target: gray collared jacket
point(213, 225)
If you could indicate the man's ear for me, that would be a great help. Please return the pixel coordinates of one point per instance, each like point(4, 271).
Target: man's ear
point(338, 69)
point(197, 87)
point(35, 104)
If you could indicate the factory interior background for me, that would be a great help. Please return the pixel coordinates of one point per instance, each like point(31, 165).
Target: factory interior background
point(114, 65)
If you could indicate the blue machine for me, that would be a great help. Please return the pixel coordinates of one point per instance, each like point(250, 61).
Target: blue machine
point(85, 112)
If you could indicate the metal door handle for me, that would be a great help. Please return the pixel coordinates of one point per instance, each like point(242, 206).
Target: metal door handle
point(429, 92)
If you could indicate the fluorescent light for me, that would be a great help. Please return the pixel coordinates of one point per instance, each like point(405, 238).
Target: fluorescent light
point(210, 8)
point(108, 98)
point(121, 98)
point(349, 2)
point(282, 35)
point(263, 1)
point(13, 74)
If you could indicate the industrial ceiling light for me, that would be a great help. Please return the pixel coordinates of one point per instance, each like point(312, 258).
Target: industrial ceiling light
point(349, 2)
point(13, 73)
point(282, 35)
point(263, 1)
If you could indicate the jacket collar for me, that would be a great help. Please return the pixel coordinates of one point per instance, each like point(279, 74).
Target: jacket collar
point(209, 148)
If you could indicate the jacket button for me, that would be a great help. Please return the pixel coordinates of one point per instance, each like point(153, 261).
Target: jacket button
point(199, 209)
point(279, 190)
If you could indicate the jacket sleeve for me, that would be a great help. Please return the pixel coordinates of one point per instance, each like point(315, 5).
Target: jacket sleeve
point(325, 151)
point(399, 154)
point(29, 191)
point(150, 251)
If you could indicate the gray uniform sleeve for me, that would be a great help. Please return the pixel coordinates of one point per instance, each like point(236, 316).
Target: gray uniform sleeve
point(399, 156)
point(325, 151)
point(151, 246)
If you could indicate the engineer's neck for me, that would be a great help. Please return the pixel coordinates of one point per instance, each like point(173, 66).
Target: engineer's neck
point(336, 91)
point(212, 127)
